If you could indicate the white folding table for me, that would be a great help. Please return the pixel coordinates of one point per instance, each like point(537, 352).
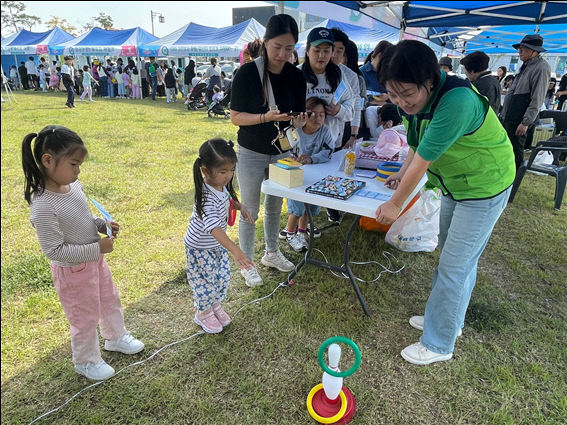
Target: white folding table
point(357, 205)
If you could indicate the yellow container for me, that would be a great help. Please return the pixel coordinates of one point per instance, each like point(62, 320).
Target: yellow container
point(350, 161)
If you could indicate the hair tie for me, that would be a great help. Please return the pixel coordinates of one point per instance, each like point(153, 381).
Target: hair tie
point(230, 143)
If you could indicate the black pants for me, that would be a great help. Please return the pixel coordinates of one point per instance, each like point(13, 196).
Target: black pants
point(519, 143)
point(70, 94)
point(145, 88)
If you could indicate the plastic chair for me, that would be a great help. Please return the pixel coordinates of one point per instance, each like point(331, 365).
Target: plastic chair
point(557, 146)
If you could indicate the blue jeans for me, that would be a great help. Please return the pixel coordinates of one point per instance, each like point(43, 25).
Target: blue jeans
point(251, 172)
point(153, 84)
point(298, 208)
point(110, 88)
point(103, 81)
point(464, 230)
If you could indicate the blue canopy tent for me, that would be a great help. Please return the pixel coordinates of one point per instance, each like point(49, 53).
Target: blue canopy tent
point(99, 42)
point(365, 38)
point(455, 24)
point(23, 44)
point(199, 40)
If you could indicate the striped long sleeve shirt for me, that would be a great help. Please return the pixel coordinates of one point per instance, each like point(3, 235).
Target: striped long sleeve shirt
point(67, 231)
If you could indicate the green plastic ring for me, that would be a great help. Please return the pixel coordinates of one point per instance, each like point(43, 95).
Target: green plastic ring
point(344, 340)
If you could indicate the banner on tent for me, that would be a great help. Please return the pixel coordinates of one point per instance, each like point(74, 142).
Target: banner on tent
point(19, 50)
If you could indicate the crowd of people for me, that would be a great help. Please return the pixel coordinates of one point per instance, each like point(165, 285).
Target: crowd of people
point(457, 133)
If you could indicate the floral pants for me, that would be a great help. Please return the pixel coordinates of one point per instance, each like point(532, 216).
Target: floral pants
point(208, 274)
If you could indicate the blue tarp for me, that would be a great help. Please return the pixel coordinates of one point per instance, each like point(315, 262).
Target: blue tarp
point(26, 42)
point(199, 40)
point(99, 42)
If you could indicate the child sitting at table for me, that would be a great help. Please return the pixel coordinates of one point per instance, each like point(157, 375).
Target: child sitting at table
point(315, 143)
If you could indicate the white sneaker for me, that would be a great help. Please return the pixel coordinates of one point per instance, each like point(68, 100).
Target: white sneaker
point(297, 242)
point(251, 277)
point(96, 372)
point(418, 321)
point(126, 344)
point(277, 261)
point(419, 355)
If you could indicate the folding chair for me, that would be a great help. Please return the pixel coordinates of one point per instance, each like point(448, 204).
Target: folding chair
point(556, 146)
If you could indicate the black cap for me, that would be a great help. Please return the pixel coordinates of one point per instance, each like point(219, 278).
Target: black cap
point(531, 41)
point(320, 35)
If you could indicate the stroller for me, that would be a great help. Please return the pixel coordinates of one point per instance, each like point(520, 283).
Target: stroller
point(218, 108)
point(197, 97)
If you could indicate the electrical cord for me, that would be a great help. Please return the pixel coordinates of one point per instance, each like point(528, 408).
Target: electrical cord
point(280, 285)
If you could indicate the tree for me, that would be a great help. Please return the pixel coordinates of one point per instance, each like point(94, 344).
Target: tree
point(104, 21)
point(62, 23)
point(14, 17)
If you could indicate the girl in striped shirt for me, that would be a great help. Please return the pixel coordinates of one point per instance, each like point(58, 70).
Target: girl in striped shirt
point(206, 241)
point(69, 236)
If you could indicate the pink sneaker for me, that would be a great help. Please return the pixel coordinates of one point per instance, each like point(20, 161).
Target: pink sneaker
point(208, 321)
point(223, 318)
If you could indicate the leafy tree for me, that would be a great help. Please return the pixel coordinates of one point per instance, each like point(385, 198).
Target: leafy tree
point(62, 23)
point(104, 21)
point(14, 16)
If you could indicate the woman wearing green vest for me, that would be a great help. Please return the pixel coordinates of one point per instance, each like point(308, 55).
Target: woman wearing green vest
point(457, 139)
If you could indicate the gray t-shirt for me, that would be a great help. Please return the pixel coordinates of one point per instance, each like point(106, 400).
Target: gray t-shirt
point(319, 145)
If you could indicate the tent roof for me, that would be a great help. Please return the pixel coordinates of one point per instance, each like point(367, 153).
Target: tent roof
point(101, 37)
point(358, 34)
point(193, 34)
point(28, 38)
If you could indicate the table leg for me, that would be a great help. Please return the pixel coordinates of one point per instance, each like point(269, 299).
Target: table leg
point(345, 269)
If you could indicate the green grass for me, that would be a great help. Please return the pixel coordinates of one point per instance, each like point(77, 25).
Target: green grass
point(509, 365)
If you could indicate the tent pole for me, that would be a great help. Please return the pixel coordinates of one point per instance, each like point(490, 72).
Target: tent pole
point(140, 74)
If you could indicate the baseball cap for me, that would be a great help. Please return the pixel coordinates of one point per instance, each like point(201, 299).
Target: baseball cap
point(319, 36)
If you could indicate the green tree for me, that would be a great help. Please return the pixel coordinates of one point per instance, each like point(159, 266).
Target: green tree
point(14, 16)
point(104, 21)
point(62, 23)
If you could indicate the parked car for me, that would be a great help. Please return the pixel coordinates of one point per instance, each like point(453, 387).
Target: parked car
point(229, 68)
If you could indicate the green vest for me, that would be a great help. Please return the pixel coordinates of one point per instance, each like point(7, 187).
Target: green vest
point(478, 165)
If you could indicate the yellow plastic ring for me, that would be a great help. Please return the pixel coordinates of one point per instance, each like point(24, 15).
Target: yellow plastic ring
point(321, 419)
point(380, 179)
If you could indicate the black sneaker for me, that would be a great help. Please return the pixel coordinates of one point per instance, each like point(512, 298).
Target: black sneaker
point(284, 234)
point(333, 216)
point(316, 232)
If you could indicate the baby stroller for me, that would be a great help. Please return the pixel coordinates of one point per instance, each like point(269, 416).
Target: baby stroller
point(218, 108)
point(197, 97)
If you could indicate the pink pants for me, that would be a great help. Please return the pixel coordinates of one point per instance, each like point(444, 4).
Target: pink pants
point(135, 91)
point(87, 90)
point(89, 298)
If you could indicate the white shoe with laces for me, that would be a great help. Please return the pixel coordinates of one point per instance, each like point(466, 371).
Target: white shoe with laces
point(126, 344)
point(418, 354)
point(251, 277)
point(418, 321)
point(277, 261)
point(297, 242)
point(96, 372)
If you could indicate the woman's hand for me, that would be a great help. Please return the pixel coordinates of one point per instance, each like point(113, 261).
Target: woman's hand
point(332, 109)
point(115, 228)
point(350, 143)
point(275, 115)
point(300, 120)
point(387, 213)
point(245, 213)
point(393, 181)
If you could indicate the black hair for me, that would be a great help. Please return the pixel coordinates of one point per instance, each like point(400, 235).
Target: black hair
point(212, 154)
point(277, 25)
point(390, 112)
point(120, 70)
point(475, 61)
point(56, 140)
point(58, 68)
point(398, 64)
point(340, 36)
point(503, 68)
point(22, 62)
point(295, 58)
point(68, 58)
point(216, 89)
point(351, 53)
point(332, 71)
point(30, 58)
point(379, 48)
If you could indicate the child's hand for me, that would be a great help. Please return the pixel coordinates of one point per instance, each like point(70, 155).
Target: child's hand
point(242, 261)
point(106, 245)
point(246, 214)
point(305, 159)
point(115, 228)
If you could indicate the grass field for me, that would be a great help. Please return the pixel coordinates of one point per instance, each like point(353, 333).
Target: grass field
point(509, 365)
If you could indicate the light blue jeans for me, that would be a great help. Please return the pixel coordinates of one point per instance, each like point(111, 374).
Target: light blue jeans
point(298, 208)
point(464, 230)
point(251, 172)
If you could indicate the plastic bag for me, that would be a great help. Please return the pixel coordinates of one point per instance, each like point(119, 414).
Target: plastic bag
point(543, 158)
point(418, 229)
